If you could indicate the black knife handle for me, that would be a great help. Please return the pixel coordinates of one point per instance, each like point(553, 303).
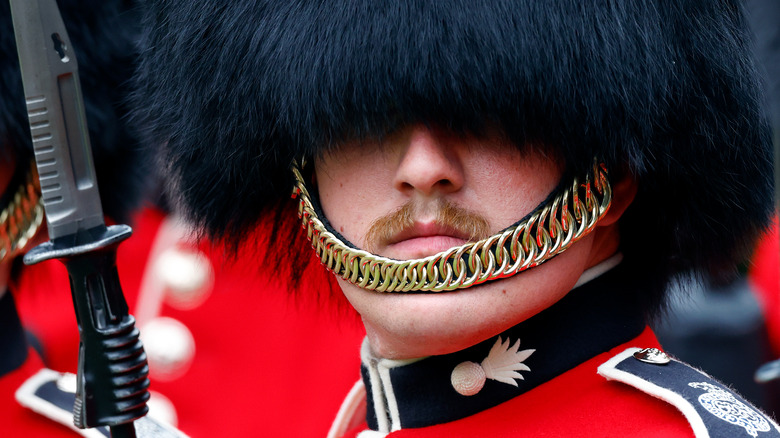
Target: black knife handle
point(113, 372)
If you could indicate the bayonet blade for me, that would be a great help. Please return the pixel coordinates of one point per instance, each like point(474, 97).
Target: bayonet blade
point(58, 125)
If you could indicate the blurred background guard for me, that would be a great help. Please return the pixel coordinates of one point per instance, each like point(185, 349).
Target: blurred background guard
point(732, 330)
point(224, 346)
point(722, 330)
point(104, 33)
point(765, 271)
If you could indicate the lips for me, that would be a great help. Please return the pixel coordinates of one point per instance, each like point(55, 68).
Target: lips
point(424, 239)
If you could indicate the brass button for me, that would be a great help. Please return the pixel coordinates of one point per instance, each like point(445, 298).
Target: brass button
point(653, 356)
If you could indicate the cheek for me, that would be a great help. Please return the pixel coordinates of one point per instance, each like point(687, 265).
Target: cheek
point(350, 196)
point(516, 185)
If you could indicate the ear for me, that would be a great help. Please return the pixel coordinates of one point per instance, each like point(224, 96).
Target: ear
point(623, 193)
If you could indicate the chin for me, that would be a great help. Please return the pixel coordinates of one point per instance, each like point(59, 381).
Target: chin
point(405, 326)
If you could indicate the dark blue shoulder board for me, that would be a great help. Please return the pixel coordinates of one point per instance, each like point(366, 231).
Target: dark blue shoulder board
point(52, 395)
point(712, 409)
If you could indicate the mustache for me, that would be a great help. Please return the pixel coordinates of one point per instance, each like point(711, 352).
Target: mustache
point(448, 215)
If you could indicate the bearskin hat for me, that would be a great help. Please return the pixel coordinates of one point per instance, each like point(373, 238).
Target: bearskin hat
point(664, 91)
point(103, 33)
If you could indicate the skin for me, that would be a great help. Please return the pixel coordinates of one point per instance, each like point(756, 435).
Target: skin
point(359, 183)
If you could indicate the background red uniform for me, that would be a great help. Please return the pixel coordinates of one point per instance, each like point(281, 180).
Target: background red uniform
point(263, 359)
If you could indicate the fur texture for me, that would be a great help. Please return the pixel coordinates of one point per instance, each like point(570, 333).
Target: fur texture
point(103, 33)
point(663, 91)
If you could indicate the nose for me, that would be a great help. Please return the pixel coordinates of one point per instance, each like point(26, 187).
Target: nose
point(430, 164)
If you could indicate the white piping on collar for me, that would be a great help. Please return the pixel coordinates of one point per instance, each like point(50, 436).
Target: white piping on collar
point(383, 395)
point(377, 390)
point(392, 402)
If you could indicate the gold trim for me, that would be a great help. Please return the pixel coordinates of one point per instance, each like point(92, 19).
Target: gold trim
point(551, 229)
point(22, 218)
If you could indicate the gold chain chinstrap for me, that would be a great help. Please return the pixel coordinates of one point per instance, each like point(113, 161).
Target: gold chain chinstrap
point(570, 215)
point(20, 220)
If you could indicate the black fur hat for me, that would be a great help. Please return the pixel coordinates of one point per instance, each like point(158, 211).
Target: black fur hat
point(103, 34)
point(665, 91)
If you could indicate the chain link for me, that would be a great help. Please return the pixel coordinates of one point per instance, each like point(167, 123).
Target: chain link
point(20, 220)
point(551, 229)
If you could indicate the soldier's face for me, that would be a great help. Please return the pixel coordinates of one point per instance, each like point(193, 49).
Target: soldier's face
point(476, 187)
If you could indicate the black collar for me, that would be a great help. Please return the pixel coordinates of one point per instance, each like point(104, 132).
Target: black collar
point(590, 320)
point(13, 346)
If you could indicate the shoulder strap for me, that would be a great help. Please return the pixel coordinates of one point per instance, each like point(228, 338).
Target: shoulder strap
point(712, 409)
point(52, 394)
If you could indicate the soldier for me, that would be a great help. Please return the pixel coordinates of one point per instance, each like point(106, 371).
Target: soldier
point(503, 191)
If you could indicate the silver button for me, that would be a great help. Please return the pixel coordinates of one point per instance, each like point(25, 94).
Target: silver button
point(161, 408)
point(170, 348)
point(187, 275)
point(653, 356)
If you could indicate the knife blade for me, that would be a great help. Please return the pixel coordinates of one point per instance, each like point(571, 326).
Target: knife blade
point(57, 119)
